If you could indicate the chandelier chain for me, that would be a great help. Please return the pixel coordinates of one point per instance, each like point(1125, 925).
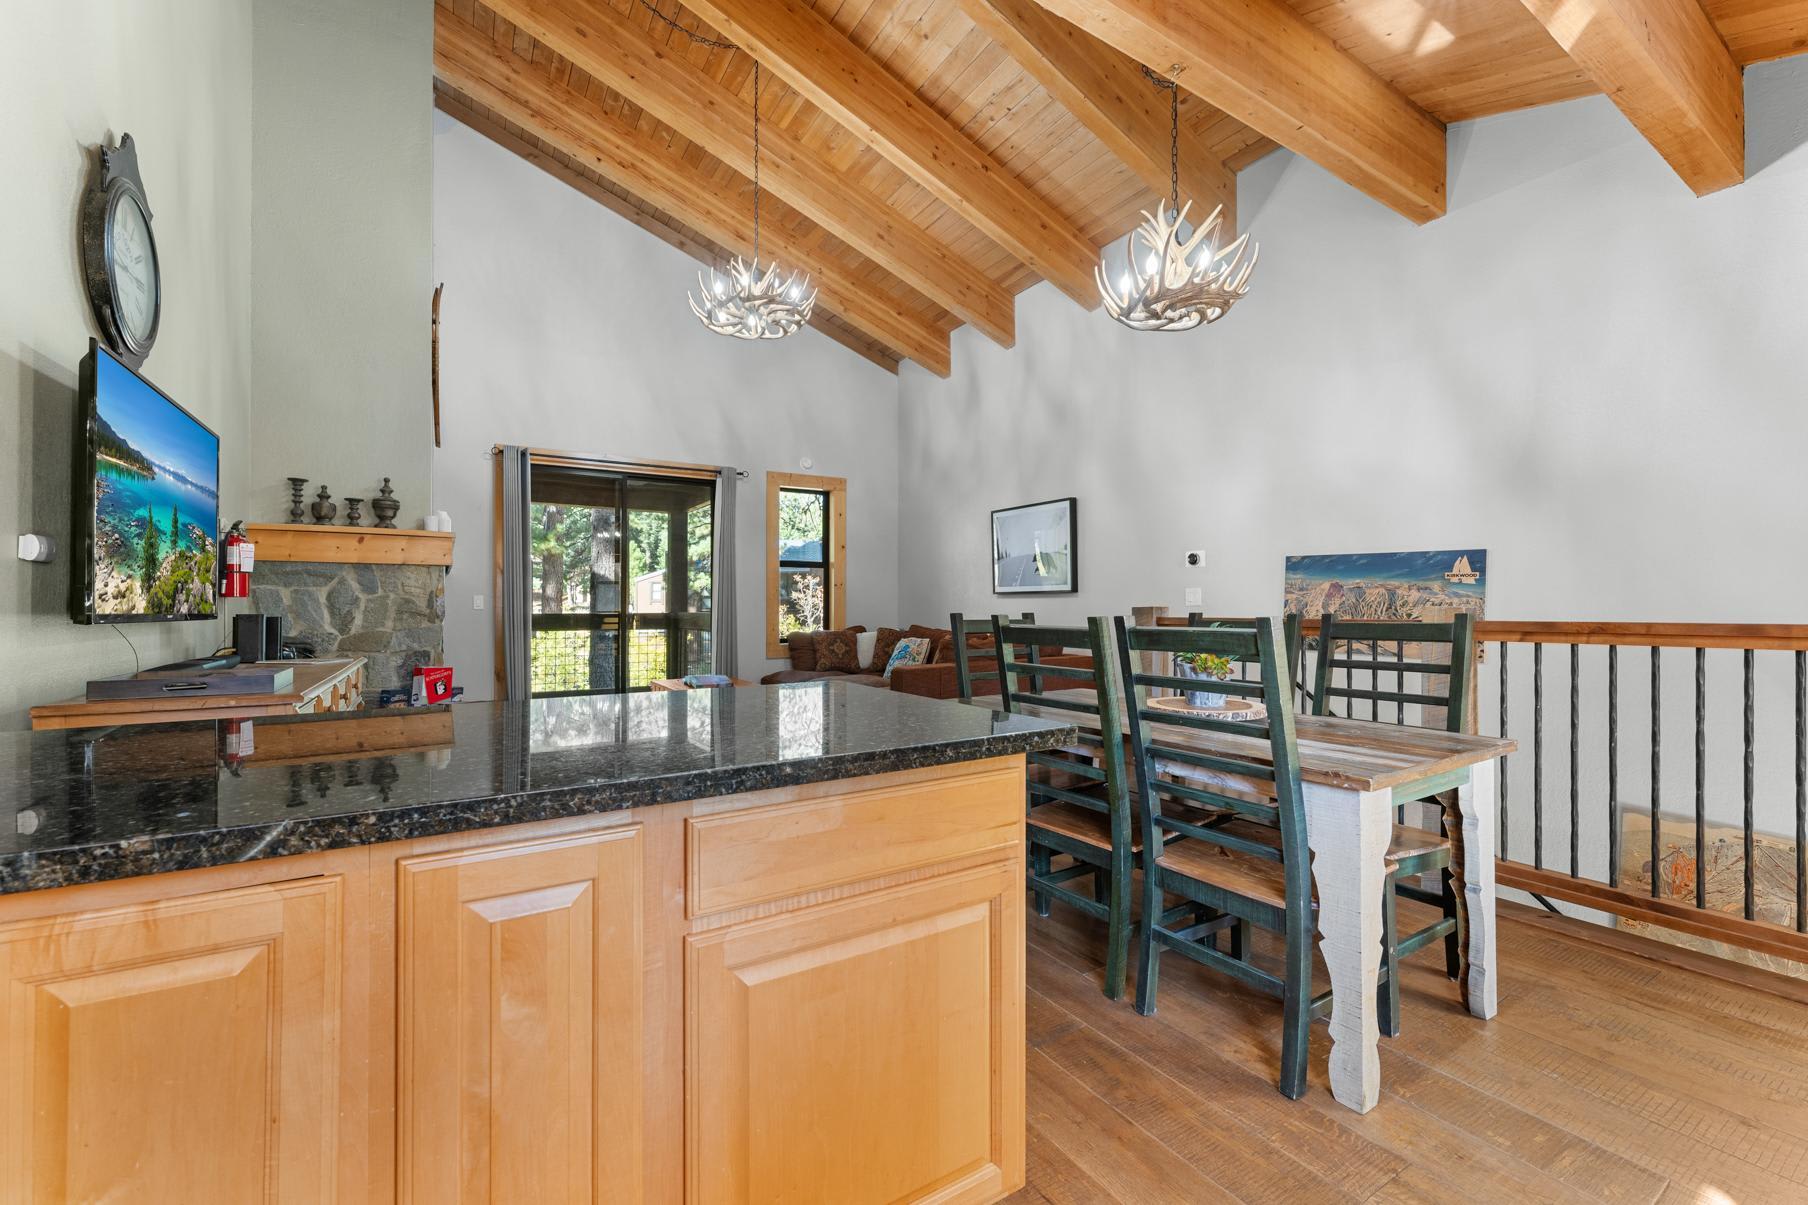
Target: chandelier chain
point(712, 43)
point(756, 162)
point(1174, 150)
point(1173, 89)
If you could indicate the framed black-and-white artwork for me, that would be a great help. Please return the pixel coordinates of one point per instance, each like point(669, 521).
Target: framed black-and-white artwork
point(1033, 549)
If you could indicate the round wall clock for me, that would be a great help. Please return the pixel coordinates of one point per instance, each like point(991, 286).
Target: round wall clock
point(119, 254)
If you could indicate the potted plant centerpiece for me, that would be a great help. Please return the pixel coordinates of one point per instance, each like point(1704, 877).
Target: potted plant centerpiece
point(1210, 667)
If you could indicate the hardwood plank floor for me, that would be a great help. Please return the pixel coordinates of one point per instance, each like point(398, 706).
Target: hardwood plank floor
point(1607, 1077)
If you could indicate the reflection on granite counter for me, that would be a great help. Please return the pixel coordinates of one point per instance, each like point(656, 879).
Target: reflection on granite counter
point(90, 805)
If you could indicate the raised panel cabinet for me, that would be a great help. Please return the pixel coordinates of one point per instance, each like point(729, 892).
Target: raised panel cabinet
point(184, 1051)
point(869, 1049)
point(757, 855)
point(520, 1022)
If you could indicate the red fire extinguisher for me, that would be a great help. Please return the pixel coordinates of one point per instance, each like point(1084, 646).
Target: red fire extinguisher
point(240, 557)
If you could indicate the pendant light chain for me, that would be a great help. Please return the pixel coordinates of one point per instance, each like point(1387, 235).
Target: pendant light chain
point(1173, 149)
point(699, 39)
point(756, 163)
point(1173, 89)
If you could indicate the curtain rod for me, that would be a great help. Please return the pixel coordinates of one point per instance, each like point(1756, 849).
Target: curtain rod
point(668, 468)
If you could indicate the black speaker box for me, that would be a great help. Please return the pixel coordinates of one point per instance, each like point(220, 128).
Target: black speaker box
point(257, 637)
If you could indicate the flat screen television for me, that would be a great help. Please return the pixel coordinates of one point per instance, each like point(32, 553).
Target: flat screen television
point(147, 499)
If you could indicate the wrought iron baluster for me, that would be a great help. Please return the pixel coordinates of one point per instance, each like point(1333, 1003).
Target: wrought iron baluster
point(1538, 756)
point(1657, 709)
point(1613, 765)
point(1575, 761)
point(1375, 681)
point(1801, 792)
point(1505, 762)
point(1701, 777)
point(1400, 682)
point(1751, 900)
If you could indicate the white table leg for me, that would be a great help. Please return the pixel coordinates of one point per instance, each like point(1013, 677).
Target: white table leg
point(1477, 831)
point(1349, 833)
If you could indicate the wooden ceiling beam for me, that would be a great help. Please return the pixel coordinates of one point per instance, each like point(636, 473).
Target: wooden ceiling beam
point(565, 170)
point(655, 75)
point(854, 90)
point(642, 161)
point(1664, 65)
point(1262, 63)
point(1107, 93)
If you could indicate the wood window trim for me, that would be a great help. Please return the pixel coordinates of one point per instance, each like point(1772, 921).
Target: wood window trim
point(836, 489)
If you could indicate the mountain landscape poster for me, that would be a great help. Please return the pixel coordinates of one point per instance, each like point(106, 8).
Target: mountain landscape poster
point(1387, 585)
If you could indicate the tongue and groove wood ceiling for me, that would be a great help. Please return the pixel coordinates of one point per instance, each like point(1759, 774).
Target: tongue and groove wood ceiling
point(926, 160)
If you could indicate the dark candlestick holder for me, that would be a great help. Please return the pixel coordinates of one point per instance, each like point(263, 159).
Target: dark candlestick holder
point(351, 511)
point(297, 511)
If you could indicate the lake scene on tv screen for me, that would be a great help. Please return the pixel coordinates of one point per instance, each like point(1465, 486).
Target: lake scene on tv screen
point(156, 501)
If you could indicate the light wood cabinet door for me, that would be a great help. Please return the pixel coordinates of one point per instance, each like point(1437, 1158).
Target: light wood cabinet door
point(185, 1051)
point(869, 1049)
point(520, 1022)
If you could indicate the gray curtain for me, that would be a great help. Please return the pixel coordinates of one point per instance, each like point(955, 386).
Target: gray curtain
point(722, 619)
point(517, 619)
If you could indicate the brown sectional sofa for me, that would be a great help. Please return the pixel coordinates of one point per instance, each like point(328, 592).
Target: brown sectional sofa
point(936, 680)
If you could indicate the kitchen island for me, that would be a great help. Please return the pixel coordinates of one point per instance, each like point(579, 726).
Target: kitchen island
point(735, 945)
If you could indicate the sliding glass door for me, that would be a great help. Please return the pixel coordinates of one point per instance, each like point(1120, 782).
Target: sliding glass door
point(621, 579)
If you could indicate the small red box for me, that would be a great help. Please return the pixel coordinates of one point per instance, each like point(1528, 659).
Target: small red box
point(432, 684)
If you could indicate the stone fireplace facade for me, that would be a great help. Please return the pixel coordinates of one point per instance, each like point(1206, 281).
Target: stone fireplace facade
point(391, 615)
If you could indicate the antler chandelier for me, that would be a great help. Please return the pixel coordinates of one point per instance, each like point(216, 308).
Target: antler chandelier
point(745, 300)
point(1177, 283)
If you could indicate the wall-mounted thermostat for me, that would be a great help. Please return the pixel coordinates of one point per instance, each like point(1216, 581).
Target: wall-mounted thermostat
point(36, 548)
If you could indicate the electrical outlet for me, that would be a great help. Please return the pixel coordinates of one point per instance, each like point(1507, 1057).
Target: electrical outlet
point(476, 602)
point(1194, 596)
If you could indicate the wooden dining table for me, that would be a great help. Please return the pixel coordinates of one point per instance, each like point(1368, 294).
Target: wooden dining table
point(1351, 772)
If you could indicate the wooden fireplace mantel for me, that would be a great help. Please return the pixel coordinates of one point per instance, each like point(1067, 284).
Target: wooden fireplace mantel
point(349, 545)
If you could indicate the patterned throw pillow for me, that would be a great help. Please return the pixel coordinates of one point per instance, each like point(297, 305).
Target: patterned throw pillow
point(911, 650)
point(838, 651)
point(888, 640)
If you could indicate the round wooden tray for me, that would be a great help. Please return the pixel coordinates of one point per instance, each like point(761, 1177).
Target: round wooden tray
point(1237, 710)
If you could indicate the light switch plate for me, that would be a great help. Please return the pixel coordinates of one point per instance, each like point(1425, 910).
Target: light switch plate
point(1194, 596)
point(476, 602)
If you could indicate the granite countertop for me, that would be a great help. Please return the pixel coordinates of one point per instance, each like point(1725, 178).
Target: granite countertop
point(88, 805)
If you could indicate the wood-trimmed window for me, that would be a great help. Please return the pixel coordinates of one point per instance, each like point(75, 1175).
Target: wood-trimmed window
point(806, 556)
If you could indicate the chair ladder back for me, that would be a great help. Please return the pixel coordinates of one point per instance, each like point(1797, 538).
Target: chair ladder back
point(1458, 634)
point(1161, 762)
point(965, 676)
point(1103, 700)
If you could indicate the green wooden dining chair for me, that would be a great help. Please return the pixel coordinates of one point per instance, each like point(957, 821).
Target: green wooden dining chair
point(1413, 852)
point(964, 674)
point(1079, 799)
point(1233, 855)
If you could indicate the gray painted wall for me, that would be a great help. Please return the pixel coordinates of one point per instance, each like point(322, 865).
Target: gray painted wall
point(565, 327)
point(1583, 368)
point(342, 251)
point(73, 75)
